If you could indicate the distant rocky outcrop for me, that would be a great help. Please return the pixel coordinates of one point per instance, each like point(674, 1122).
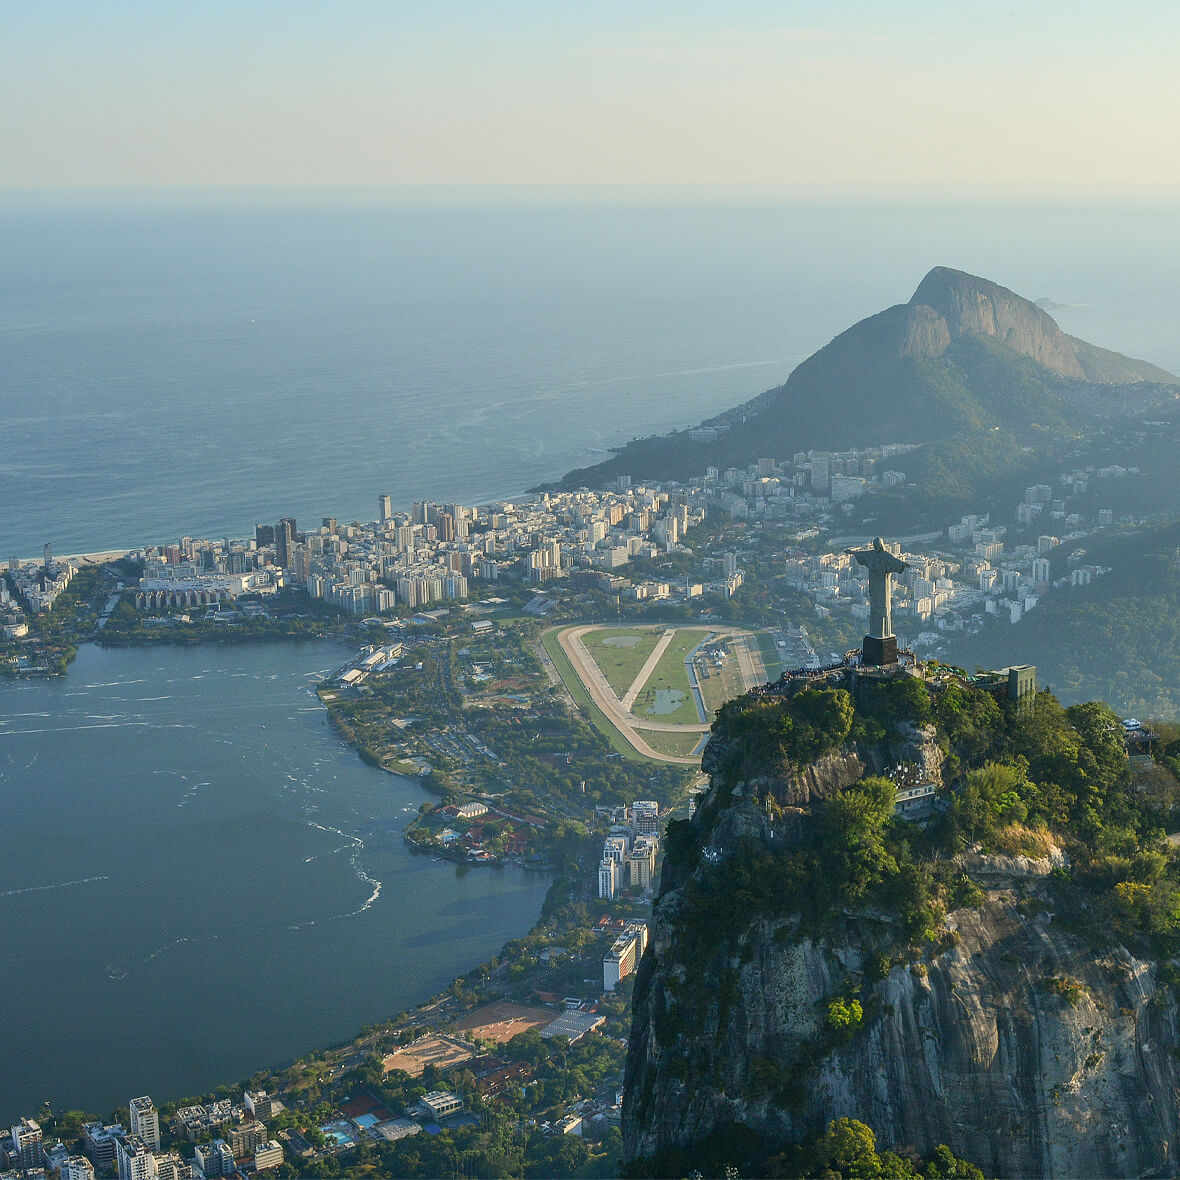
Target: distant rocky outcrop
point(966, 304)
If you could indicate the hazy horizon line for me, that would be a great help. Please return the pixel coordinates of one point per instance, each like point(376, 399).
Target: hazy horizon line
point(607, 193)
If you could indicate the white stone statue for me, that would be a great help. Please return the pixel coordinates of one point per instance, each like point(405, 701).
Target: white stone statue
point(882, 565)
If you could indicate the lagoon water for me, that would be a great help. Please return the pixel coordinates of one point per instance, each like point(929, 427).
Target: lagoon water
point(199, 879)
point(186, 896)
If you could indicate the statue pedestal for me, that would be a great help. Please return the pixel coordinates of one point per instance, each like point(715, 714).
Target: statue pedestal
point(875, 653)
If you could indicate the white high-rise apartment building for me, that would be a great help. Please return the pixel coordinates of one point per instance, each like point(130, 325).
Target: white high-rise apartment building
point(145, 1122)
point(26, 1143)
point(134, 1159)
point(78, 1167)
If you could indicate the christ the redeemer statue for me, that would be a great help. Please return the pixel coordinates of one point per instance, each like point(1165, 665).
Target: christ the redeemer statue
point(880, 645)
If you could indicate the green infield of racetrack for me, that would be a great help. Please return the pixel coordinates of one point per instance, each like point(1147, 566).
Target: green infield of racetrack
point(670, 674)
point(675, 745)
point(620, 665)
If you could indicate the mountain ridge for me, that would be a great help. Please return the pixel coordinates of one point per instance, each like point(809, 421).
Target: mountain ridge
point(963, 303)
point(963, 355)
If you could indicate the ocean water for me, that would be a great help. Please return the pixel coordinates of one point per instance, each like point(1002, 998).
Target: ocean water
point(199, 879)
point(174, 367)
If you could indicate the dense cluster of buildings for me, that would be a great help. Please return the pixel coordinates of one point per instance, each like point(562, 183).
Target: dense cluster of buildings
point(40, 585)
point(807, 485)
point(631, 849)
point(587, 539)
point(227, 1138)
point(430, 554)
point(13, 624)
point(979, 569)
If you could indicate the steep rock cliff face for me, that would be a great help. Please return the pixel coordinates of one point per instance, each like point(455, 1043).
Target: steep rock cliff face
point(834, 771)
point(1010, 1040)
point(965, 303)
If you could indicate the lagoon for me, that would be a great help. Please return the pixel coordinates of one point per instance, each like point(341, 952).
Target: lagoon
point(199, 879)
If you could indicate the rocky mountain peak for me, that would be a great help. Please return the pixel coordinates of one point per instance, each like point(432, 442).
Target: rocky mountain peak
point(965, 304)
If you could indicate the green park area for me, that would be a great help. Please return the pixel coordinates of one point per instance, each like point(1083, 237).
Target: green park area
point(674, 745)
point(667, 695)
point(620, 652)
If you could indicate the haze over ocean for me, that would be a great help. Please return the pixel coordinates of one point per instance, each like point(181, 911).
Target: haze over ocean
point(191, 366)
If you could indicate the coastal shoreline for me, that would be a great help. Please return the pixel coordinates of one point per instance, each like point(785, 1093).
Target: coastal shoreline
point(101, 557)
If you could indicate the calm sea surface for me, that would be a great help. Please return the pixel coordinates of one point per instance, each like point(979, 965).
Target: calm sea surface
point(199, 879)
point(190, 864)
point(173, 369)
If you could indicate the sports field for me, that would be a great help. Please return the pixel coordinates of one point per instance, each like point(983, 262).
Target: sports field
point(502, 1020)
point(675, 745)
point(432, 1049)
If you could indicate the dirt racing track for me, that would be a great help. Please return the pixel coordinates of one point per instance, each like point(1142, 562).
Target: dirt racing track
point(618, 711)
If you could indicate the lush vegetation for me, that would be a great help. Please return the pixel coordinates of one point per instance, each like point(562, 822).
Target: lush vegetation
point(511, 736)
point(54, 636)
point(290, 614)
point(502, 1135)
point(1025, 780)
point(762, 735)
point(847, 1150)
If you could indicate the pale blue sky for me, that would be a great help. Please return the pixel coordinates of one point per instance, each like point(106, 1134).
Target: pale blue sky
point(184, 92)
